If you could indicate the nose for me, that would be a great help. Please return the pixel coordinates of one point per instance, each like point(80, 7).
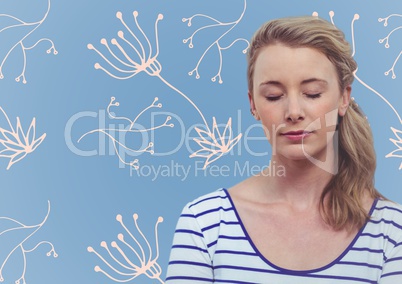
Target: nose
point(294, 112)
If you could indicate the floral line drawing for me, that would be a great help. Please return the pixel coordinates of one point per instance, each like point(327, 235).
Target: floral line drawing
point(132, 127)
point(20, 43)
point(395, 131)
point(118, 260)
point(387, 45)
point(214, 145)
point(398, 144)
point(17, 243)
point(17, 144)
point(393, 67)
point(123, 66)
point(216, 43)
point(355, 17)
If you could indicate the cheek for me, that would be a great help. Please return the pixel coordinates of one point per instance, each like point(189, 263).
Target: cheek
point(268, 111)
point(270, 118)
point(326, 109)
point(326, 123)
point(271, 124)
point(330, 115)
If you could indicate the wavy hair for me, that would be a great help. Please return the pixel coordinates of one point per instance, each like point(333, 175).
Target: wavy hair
point(341, 203)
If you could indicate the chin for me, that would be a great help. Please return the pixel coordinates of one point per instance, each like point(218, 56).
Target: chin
point(294, 152)
point(297, 153)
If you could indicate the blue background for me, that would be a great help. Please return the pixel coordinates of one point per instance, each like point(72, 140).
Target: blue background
point(87, 192)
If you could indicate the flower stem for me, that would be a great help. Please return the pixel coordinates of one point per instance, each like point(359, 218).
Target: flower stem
point(187, 98)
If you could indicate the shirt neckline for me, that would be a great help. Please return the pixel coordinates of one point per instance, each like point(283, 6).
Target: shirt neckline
point(299, 272)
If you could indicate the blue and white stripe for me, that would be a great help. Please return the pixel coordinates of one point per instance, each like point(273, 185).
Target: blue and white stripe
point(211, 245)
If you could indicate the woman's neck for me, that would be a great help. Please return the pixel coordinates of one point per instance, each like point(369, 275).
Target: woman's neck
point(301, 186)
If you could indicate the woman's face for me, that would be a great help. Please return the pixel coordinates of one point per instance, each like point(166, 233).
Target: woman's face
point(297, 98)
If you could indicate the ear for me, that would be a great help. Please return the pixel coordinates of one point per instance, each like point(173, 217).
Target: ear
point(344, 101)
point(253, 110)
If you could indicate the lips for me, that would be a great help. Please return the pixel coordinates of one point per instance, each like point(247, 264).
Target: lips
point(296, 135)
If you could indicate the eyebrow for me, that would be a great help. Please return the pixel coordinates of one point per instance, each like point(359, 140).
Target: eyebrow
point(311, 80)
point(307, 81)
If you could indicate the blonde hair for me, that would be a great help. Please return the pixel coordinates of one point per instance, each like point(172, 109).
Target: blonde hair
point(342, 199)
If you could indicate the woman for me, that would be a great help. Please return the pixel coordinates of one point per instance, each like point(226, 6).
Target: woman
point(323, 222)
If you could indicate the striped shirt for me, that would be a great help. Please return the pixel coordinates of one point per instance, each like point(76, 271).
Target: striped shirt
point(211, 245)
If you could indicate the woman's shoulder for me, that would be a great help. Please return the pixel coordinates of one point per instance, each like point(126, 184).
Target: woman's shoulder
point(207, 213)
point(389, 207)
point(208, 203)
point(387, 219)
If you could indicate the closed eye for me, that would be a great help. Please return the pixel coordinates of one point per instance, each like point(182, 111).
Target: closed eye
point(313, 96)
point(273, 98)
